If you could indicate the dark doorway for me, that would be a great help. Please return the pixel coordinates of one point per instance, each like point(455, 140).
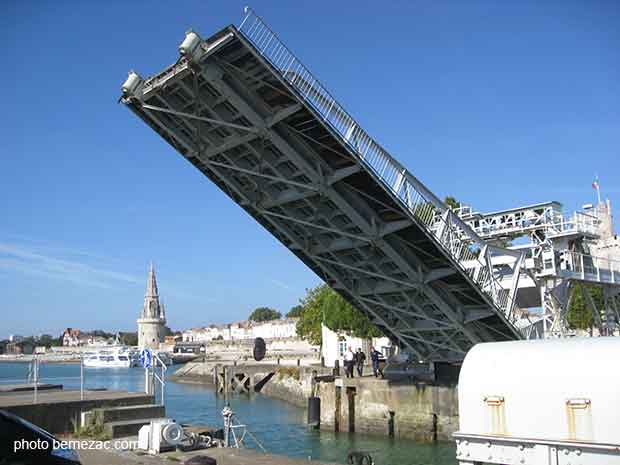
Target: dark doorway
point(337, 409)
point(351, 399)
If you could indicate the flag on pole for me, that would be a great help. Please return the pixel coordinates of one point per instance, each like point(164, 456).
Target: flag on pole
point(597, 187)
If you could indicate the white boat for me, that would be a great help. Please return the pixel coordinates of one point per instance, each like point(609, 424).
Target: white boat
point(113, 357)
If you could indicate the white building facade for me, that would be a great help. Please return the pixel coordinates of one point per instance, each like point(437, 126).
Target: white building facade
point(334, 345)
point(244, 330)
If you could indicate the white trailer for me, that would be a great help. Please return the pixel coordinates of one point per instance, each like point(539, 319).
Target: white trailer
point(551, 402)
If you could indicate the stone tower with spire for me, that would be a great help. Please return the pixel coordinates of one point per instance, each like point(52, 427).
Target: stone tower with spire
point(152, 319)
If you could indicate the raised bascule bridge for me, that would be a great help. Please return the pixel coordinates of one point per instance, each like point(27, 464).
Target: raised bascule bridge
point(244, 110)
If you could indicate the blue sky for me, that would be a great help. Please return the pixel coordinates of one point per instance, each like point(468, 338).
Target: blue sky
point(496, 103)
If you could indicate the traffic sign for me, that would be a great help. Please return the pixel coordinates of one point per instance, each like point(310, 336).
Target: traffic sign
point(146, 358)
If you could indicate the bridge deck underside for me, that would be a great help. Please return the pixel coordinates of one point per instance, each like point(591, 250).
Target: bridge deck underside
point(295, 177)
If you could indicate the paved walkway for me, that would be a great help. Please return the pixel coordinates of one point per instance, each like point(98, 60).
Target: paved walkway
point(58, 396)
point(223, 457)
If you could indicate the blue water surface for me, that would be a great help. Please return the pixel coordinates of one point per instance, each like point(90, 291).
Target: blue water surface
point(279, 426)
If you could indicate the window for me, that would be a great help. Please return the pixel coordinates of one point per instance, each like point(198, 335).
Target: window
point(342, 347)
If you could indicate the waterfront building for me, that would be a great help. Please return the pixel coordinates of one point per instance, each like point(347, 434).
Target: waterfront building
point(71, 337)
point(205, 334)
point(244, 330)
point(276, 329)
point(240, 330)
point(172, 339)
point(335, 344)
point(152, 318)
point(21, 347)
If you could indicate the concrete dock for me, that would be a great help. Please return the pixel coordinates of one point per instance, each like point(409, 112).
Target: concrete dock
point(57, 410)
point(222, 455)
point(11, 388)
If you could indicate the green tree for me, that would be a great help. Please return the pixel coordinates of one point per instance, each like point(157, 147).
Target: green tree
point(101, 333)
point(324, 305)
point(295, 312)
point(265, 314)
point(579, 314)
point(452, 203)
point(48, 341)
point(129, 339)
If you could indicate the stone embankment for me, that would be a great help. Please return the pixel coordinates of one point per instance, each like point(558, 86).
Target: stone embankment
point(368, 405)
point(375, 406)
point(290, 383)
point(194, 372)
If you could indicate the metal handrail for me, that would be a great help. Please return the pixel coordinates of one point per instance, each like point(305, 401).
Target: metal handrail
point(551, 227)
point(590, 267)
point(456, 237)
point(161, 379)
point(33, 377)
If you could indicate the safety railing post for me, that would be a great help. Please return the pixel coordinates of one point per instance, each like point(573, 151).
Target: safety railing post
point(146, 380)
point(81, 377)
point(163, 384)
point(35, 376)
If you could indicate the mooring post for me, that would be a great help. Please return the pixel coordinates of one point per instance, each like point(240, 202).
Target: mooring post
point(251, 383)
point(226, 381)
point(216, 377)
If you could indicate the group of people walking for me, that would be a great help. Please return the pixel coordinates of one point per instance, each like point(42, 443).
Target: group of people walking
point(353, 360)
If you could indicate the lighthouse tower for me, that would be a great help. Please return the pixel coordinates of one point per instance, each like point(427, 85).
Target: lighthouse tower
point(152, 319)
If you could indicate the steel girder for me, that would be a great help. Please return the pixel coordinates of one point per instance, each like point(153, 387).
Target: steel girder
point(231, 116)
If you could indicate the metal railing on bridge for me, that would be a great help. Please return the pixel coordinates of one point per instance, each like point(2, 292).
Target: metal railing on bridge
point(454, 236)
point(589, 268)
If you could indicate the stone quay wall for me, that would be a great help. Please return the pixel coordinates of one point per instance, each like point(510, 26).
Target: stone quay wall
point(420, 412)
point(366, 405)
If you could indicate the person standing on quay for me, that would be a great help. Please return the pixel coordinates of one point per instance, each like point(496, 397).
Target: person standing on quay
point(348, 363)
point(374, 356)
point(360, 358)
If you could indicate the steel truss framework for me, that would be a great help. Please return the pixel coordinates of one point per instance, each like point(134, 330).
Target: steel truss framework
point(558, 261)
point(248, 122)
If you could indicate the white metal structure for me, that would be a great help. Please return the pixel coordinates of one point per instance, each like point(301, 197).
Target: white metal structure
point(540, 402)
point(561, 254)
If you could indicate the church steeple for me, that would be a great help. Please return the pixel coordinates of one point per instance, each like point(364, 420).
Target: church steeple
point(151, 283)
point(153, 316)
point(152, 308)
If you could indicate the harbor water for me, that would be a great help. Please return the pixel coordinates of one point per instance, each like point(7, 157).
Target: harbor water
point(279, 426)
